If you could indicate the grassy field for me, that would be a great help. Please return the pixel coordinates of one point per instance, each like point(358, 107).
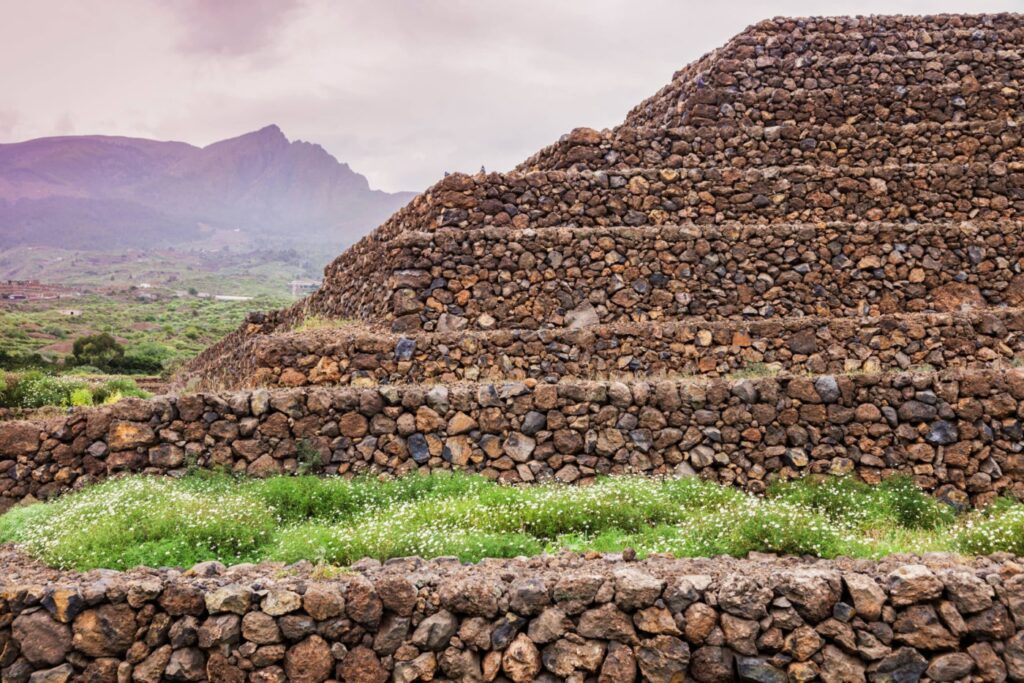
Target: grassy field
point(256, 273)
point(182, 326)
point(162, 297)
point(167, 522)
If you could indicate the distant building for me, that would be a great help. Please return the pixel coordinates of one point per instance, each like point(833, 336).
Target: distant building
point(33, 290)
point(302, 287)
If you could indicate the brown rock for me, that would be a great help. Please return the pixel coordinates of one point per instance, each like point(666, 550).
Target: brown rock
point(803, 643)
point(362, 604)
point(19, 438)
point(362, 666)
point(151, 669)
point(950, 667)
point(740, 634)
point(260, 628)
point(656, 621)
point(107, 631)
point(59, 674)
point(913, 583)
point(231, 598)
point(188, 664)
point(619, 665)
point(957, 296)
point(353, 425)
point(711, 664)
point(421, 668)
point(839, 667)
point(868, 596)
point(180, 599)
point(397, 594)
point(43, 640)
point(918, 626)
point(64, 604)
point(572, 653)
point(607, 622)
point(635, 589)
point(123, 436)
point(743, 596)
point(550, 625)
point(323, 601)
point(701, 619)
point(220, 629)
point(521, 661)
point(309, 661)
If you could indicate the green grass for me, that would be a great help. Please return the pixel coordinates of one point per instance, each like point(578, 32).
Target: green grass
point(178, 522)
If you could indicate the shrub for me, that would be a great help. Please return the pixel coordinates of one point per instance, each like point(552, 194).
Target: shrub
point(100, 350)
point(81, 397)
point(147, 357)
point(35, 389)
point(119, 387)
point(80, 370)
point(310, 459)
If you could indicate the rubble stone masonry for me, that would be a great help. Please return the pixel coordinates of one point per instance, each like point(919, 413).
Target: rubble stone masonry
point(957, 433)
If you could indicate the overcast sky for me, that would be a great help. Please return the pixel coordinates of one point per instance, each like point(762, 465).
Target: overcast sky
point(402, 90)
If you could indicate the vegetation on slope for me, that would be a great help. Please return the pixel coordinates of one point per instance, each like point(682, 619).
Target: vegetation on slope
point(167, 522)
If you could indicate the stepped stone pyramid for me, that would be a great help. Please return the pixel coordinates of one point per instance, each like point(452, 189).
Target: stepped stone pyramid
point(821, 214)
point(802, 256)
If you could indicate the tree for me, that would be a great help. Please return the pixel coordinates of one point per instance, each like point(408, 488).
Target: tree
point(99, 350)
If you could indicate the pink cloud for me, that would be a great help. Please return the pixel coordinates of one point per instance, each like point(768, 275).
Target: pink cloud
point(231, 27)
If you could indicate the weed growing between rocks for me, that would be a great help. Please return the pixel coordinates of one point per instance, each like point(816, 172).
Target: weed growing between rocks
point(178, 522)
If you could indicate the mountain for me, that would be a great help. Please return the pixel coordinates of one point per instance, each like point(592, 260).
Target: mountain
point(111, 192)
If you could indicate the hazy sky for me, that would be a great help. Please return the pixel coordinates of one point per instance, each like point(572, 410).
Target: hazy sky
point(402, 90)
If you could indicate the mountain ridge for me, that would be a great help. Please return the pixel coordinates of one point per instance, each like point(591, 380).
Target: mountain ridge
point(99, 191)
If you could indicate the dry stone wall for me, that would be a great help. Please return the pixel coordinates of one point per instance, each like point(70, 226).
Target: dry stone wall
point(953, 192)
point(452, 280)
point(548, 619)
point(351, 355)
point(958, 434)
point(782, 145)
point(788, 59)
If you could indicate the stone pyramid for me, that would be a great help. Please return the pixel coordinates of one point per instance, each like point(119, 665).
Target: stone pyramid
point(822, 211)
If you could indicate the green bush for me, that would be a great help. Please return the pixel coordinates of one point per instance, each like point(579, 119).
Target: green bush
point(81, 397)
point(36, 389)
point(120, 387)
point(147, 357)
point(99, 350)
point(84, 370)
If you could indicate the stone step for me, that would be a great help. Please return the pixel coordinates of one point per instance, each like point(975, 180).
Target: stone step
point(790, 102)
point(957, 433)
point(758, 146)
point(355, 355)
point(637, 197)
point(1006, 29)
point(948, 72)
point(768, 43)
point(944, 56)
point(454, 279)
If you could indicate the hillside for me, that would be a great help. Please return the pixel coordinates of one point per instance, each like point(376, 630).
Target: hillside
point(103, 192)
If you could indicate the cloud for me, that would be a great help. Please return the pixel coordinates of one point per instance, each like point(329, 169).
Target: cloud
point(8, 121)
point(402, 90)
point(231, 27)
